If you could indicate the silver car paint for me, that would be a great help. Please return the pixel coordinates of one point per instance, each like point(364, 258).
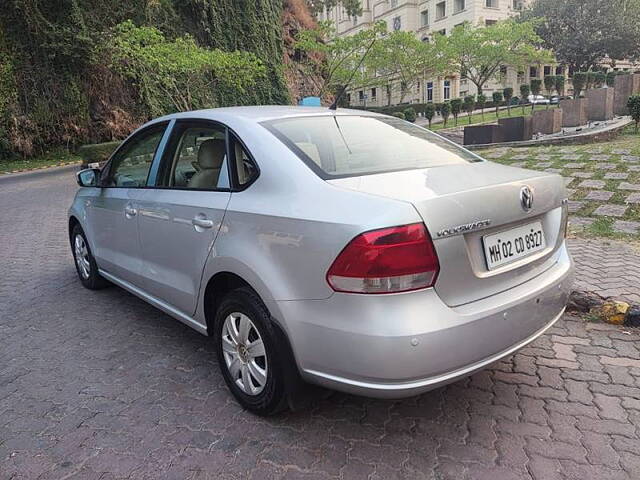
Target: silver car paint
point(284, 231)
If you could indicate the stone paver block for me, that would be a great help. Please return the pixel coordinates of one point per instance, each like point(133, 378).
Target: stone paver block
point(574, 165)
point(581, 222)
point(634, 168)
point(599, 195)
point(583, 174)
point(592, 184)
point(574, 206)
point(629, 186)
point(606, 166)
point(553, 170)
point(616, 176)
point(633, 198)
point(571, 157)
point(626, 226)
point(542, 165)
point(600, 158)
point(519, 164)
point(630, 158)
point(520, 156)
point(610, 210)
point(621, 151)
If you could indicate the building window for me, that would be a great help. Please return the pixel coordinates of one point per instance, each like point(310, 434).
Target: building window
point(441, 10)
point(559, 71)
point(458, 25)
point(394, 3)
point(447, 89)
point(348, 98)
point(503, 70)
point(491, 3)
point(488, 23)
point(361, 95)
point(533, 72)
point(429, 91)
point(373, 94)
point(547, 71)
point(517, 4)
point(459, 5)
point(424, 18)
point(442, 32)
point(397, 24)
point(355, 20)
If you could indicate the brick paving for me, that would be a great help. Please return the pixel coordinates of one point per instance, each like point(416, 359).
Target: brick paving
point(100, 385)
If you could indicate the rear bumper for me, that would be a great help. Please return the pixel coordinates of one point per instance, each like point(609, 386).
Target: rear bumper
point(394, 346)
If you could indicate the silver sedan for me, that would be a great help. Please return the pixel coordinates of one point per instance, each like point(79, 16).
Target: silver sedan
point(345, 249)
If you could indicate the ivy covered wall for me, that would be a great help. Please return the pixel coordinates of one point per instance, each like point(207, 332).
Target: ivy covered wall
point(57, 89)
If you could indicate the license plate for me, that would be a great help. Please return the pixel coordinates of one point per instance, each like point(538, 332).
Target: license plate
point(514, 244)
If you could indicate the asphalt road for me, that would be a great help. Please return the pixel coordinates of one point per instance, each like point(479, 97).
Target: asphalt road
point(99, 385)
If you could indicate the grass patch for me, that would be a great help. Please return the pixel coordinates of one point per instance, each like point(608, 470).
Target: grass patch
point(46, 160)
point(489, 117)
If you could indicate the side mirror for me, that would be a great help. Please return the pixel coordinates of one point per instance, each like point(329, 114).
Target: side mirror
point(88, 177)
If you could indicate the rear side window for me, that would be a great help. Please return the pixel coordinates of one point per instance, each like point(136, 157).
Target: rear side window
point(351, 145)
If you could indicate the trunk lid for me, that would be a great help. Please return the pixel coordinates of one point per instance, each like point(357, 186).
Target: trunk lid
point(461, 204)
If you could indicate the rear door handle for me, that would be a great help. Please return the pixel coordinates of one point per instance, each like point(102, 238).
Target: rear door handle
point(202, 223)
point(130, 211)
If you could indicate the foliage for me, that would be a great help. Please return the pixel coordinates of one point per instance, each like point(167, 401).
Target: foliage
point(399, 115)
point(600, 79)
point(97, 153)
point(429, 112)
point(560, 80)
point(177, 75)
point(583, 33)
point(481, 101)
point(456, 108)
point(633, 104)
point(611, 78)
point(352, 7)
point(536, 86)
point(497, 100)
point(445, 111)
point(549, 84)
point(479, 52)
point(341, 54)
point(525, 91)
point(579, 81)
point(410, 114)
point(469, 104)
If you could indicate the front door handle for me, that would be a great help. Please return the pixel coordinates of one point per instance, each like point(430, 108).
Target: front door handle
point(202, 222)
point(130, 211)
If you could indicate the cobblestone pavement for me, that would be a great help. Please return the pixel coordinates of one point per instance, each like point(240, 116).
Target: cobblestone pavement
point(101, 385)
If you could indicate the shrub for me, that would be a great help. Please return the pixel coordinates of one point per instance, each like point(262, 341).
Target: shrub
point(600, 79)
point(469, 104)
point(497, 100)
point(633, 104)
point(507, 93)
point(445, 110)
point(549, 84)
point(560, 85)
point(410, 114)
point(591, 80)
point(97, 153)
point(429, 112)
point(481, 101)
point(536, 86)
point(456, 108)
point(579, 83)
point(399, 115)
point(611, 78)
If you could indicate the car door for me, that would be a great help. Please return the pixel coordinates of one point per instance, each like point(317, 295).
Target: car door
point(180, 217)
point(113, 212)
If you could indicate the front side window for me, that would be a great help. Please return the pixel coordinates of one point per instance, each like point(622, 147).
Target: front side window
point(351, 145)
point(197, 158)
point(131, 164)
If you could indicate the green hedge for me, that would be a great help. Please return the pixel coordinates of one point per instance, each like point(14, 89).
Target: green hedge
point(97, 153)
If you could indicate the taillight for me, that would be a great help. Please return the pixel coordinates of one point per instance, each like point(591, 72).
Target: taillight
point(388, 260)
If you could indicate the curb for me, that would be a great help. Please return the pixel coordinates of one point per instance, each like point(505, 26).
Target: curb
point(46, 167)
point(37, 172)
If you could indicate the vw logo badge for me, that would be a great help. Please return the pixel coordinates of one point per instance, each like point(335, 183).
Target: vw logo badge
point(526, 198)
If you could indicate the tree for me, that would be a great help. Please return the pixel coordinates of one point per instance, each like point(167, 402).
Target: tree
point(508, 95)
point(341, 54)
point(497, 100)
point(410, 114)
point(525, 91)
point(579, 82)
point(611, 78)
point(456, 107)
point(584, 33)
point(445, 110)
point(481, 100)
point(429, 112)
point(560, 85)
point(480, 52)
point(600, 79)
point(634, 109)
point(469, 105)
point(536, 87)
point(549, 85)
point(401, 56)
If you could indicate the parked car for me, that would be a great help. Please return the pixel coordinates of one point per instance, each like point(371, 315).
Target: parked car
point(346, 249)
point(537, 100)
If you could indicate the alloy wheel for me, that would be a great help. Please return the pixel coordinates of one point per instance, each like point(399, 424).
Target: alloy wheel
point(244, 353)
point(82, 256)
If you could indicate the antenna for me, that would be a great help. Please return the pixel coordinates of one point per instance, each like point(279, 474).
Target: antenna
point(334, 105)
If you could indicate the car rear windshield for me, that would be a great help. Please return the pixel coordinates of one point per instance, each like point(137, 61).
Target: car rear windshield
point(350, 145)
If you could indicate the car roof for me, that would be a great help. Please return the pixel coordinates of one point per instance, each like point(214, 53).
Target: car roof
point(263, 113)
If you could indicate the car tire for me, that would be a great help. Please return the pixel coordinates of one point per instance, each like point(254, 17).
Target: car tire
point(245, 344)
point(85, 263)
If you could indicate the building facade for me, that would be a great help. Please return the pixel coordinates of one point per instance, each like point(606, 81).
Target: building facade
point(425, 18)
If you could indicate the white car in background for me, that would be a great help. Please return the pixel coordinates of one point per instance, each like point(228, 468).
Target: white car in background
point(538, 100)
